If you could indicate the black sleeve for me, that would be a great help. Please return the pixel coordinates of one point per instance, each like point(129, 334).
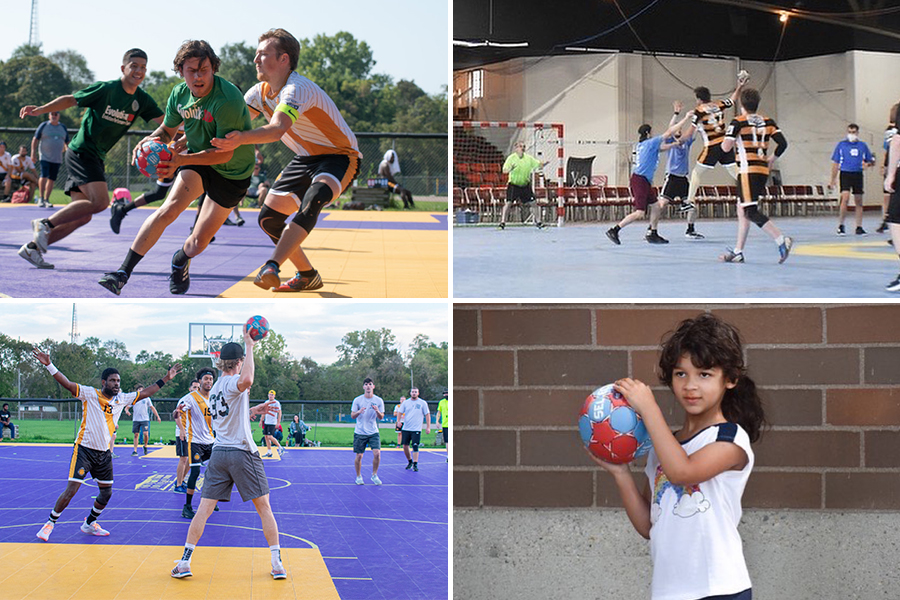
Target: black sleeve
point(780, 143)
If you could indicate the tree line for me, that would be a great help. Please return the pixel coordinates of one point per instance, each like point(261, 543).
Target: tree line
point(361, 354)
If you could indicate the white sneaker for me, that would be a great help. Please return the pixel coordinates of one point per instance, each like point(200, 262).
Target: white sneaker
point(41, 234)
point(45, 531)
point(182, 569)
point(278, 571)
point(281, 452)
point(375, 480)
point(35, 257)
point(93, 529)
point(359, 480)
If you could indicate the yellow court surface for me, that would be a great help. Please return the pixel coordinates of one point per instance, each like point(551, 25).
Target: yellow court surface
point(109, 572)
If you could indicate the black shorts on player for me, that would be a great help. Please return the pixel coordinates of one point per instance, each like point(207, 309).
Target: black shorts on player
point(199, 453)
point(181, 447)
point(675, 186)
point(412, 438)
point(82, 168)
point(298, 176)
point(852, 181)
point(519, 193)
point(227, 193)
point(713, 155)
point(96, 462)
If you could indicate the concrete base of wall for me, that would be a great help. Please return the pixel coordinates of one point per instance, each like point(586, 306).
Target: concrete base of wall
point(596, 554)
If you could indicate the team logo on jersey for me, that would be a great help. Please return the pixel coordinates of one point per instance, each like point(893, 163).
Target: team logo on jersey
point(135, 105)
point(119, 117)
point(81, 472)
point(195, 112)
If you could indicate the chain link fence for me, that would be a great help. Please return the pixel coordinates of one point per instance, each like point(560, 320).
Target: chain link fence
point(423, 158)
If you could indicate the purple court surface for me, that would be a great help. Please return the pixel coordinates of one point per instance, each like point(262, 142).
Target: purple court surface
point(378, 542)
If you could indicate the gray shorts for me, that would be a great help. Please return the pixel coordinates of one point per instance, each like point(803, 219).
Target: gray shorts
point(360, 442)
point(233, 466)
point(139, 426)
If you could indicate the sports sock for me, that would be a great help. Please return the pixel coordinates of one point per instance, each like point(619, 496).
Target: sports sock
point(130, 262)
point(180, 259)
point(416, 463)
point(189, 500)
point(32, 246)
point(129, 206)
point(276, 555)
point(95, 514)
point(47, 223)
point(54, 516)
point(310, 273)
point(188, 551)
point(779, 240)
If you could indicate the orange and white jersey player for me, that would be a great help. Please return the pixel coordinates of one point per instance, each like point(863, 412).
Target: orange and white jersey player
point(326, 157)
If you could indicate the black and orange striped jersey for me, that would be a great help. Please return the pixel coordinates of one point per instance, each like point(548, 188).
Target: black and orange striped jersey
point(709, 118)
point(751, 135)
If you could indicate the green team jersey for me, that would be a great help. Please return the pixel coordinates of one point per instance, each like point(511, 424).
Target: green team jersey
point(520, 169)
point(110, 112)
point(221, 111)
point(445, 415)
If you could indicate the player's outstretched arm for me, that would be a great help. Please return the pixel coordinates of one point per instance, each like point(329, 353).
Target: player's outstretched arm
point(266, 408)
point(60, 103)
point(152, 389)
point(247, 371)
point(44, 358)
point(271, 132)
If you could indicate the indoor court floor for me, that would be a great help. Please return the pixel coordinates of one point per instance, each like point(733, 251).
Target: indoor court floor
point(339, 540)
point(579, 261)
point(359, 254)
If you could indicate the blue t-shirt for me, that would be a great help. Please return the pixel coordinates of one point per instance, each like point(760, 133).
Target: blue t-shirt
point(851, 155)
point(53, 139)
point(647, 157)
point(677, 162)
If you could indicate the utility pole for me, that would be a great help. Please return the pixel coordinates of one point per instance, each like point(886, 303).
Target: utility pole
point(74, 335)
point(33, 31)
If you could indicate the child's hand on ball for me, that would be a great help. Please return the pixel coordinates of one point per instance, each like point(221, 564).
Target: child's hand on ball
point(611, 467)
point(639, 395)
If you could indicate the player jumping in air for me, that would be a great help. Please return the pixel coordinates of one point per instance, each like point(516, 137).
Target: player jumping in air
point(326, 157)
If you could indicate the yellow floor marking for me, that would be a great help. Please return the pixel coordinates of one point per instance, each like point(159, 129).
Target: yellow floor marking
point(855, 250)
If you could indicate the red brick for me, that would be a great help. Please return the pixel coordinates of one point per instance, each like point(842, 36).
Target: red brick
point(776, 325)
point(863, 324)
point(466, 489)
point(804, 366)
point(484, 447)
point(863, 406)
point(644, 365)
point(783, 490)
point(864, 491)
point(882, 449)
point(570, 367)
point(538, 327)
point(539, 489)
point(639, 327)
point(808, 449)
point(465, 327)
point(482, 368)
point(464, 408)
point(533, 407)
point(786, 407)
point(881, 365)
point(552, 448)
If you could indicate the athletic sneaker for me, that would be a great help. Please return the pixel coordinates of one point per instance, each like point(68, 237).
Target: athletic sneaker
point(685, 207)
point(298, 283)
point(134, 453)
point(693, 235)
point(653, 237)
point(409, 465)
point(116, 214)
point(34, 256)
point(893, 286)
point(415, 467)
point(180, 278)
point(240, 222)
point(229, 222)
point(41, 234)
point(281, 452)
point(115, 455)
point(840, 230)
point(278, 571)
point(501, 226)
point(45, 531)
point(182, 569)
point(114, 281)
point(882, 228)
point(267, 278)
point(861, 231)
point(187, 512)
point(613, 234)
point(267, 455)
point(540, 226)
point(375, 480)
point(732, 256)
point(180, 489)
point(785, 249)
point(359, 480)
point(93, 529)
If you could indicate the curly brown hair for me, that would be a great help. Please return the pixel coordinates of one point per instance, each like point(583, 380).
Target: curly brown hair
point(195, 49)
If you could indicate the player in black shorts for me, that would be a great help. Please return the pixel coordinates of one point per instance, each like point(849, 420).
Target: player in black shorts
point(893, 216)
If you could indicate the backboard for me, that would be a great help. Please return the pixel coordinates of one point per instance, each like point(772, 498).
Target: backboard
point(204, 339)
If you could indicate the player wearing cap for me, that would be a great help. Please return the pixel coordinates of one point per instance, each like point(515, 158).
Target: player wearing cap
point(367, 409)
point(181, 451)
point(235, 461)
point(270, 423)
point(415, 411)
point(198, 433)
point(91, 453)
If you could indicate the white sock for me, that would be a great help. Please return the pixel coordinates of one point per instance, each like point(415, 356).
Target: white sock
point(188, 552)
point(276, 555)
point(779, 240)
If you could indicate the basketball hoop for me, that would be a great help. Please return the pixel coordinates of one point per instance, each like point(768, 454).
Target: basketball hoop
point(214, 356)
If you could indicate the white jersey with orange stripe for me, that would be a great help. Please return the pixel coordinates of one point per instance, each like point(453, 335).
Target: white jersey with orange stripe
point(318, 127)
point(98, 416)
point(198, 424)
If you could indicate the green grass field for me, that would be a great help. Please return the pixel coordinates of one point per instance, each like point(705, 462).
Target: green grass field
point(63, 432)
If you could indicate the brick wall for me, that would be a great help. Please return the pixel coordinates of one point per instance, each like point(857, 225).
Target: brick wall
point(829, 376)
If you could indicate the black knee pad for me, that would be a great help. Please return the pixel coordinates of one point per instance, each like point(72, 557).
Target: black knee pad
point(272, 222)
point(158, 193)
point(104, 496)
point(752, 213)
point(414, 445)
point(317, 196)
point(195, 475)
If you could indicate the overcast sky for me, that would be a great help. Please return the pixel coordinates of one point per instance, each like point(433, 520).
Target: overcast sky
point(311, 327)
point(408, 38)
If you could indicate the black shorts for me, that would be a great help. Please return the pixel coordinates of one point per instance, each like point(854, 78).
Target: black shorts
point(82, 168)
point(269, 429)
point(675, 186)
point(180, 447)
point(227, 193)
point(750, 187)
point(360, 442)
point(713, 155)
point(445, 433)
point(893, 212)
point(87, 460)
point(49, 170)
point(520, 193)
point(852, 181)
point(298, 176)
point(200, 453)
point(139, 426)
point(412, 438)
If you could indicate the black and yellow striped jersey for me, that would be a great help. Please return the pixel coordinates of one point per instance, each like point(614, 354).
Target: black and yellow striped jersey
point(751, 135)
point(709, 118)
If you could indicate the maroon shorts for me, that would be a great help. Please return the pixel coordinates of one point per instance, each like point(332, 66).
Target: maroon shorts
point(642, 193)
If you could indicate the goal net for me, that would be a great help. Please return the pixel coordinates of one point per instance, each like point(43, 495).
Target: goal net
point(480, 148)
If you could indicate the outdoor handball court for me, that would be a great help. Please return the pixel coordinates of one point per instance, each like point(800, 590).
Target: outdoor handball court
point(579, 261)
point(338, 539)
point(359, 254)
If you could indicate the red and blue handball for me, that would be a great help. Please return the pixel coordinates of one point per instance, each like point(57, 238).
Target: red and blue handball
point(149, 155)
point(257, 327)
point(611, 429)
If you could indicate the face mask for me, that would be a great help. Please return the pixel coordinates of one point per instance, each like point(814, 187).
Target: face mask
point(852, 137)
